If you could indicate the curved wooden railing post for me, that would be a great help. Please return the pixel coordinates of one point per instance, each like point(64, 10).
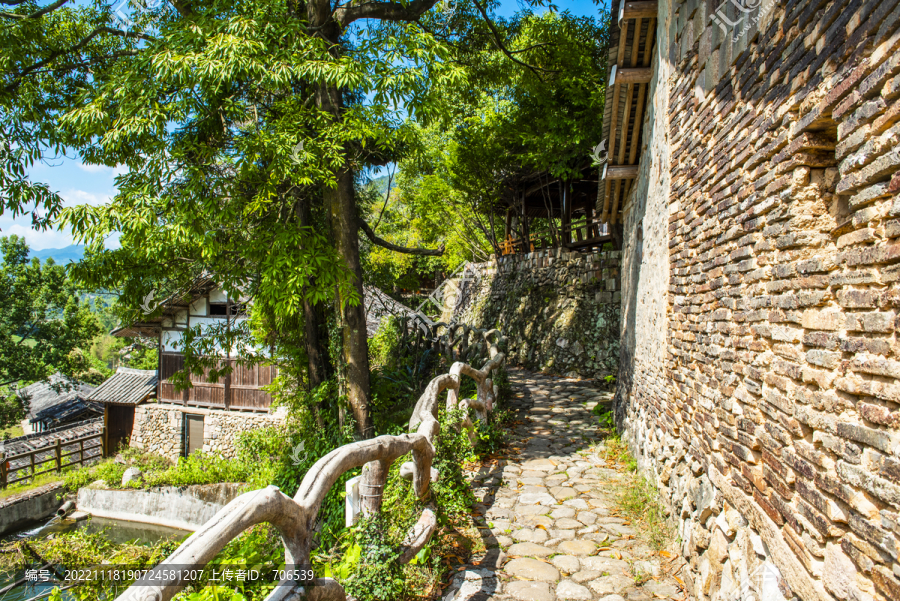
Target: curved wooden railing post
point(295, 518)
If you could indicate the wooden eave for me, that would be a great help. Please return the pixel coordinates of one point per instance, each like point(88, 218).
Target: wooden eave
point(632, 40)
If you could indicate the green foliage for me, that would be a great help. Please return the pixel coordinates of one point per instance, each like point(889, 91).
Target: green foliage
point(374, 549)
point(491, 432)
point(259, 548)
point(80, 549)
point(43, 325)
point(606, 416)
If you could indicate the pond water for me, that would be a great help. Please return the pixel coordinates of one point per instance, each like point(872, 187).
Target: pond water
point(117, 531)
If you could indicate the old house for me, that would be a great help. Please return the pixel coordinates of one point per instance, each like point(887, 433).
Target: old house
point(754, 167)
point(209, 415)
point(119, 395)
point(55, 402)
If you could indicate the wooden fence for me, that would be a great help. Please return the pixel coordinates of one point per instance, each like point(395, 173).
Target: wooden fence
point(23, 466)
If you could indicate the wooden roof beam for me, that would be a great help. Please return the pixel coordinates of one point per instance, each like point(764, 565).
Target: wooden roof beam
point(644, 9)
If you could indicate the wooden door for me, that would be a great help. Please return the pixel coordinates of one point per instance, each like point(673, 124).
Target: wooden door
point(119, 423)
point(193, 433)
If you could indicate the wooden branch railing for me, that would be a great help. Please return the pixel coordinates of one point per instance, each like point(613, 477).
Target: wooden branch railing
point(295, 517)
point(24, 466)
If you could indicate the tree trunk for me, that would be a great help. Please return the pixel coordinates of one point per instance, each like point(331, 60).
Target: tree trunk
point(341, 206)
point(316, 355)
point(340, 203)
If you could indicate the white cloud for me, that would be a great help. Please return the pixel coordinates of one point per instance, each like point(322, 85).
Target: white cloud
point(55, 238)
point(73, 198)
point(39, 240)
point(108, 171)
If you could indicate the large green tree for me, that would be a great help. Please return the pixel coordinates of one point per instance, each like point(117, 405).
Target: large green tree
point(43, 324)
point(230, 116)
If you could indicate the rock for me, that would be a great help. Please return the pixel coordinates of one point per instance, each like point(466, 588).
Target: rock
point(563, 512)
point(839, 575)
point(585, 576)
point(119, 459)
point(568, 590)
point(566, 563)
point(562, 492)
point(612, 598)
point(587, 517)
point(568, 524)
point(562, 342)
point(532, 569)
point(79, 516)
point(530, 591)
point(100, 484)
point(606, 565)
point(132, 474)
point(536, 498)
point(576, 350)
point(661, 589)
point(529, 550)
point(609, 585)
point(578, 547)
point(477, 584)
point(530, 536)
point(576, 503)
point(540, 465)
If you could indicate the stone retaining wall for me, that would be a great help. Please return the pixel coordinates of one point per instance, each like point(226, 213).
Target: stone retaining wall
point(186, 508)
point(25, 508)
point(766, 401)
point(159, 428)
point(558, 309)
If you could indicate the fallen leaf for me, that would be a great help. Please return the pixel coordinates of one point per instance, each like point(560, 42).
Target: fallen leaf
point(666, 554)
point(678, 580)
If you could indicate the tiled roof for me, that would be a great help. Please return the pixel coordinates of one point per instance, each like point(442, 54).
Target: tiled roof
point(126, 387)
point(55, 390)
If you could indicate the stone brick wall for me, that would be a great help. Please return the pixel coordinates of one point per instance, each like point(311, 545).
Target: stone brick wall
point(773, 431)
point(159, 428)
point(559, 310)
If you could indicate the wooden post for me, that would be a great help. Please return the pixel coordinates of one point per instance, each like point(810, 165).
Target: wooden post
point(371, 486)
point(81, 452)
point(104, 451)
point(4, 470)
point(33, 469)
point(59, 455)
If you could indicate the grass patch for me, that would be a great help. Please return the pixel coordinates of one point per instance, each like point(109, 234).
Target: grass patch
point(12, 432)
point(637, 498)
point(30, 484)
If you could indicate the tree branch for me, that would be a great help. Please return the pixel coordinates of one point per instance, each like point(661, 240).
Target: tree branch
point(400, 249)
point(499, 43)
point(40, 13)
point(84, 42)
point(385, 11)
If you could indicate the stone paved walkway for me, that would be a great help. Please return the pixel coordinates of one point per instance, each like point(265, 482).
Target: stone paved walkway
point(547, 518)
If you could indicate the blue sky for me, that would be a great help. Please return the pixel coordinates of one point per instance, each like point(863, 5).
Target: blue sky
point(79, 184)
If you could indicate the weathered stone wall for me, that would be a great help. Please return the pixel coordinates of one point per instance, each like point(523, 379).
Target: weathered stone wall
point(159, 428)
point(558, 309)
point(773, 431)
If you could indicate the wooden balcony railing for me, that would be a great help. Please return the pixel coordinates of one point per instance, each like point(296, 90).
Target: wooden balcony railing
point(580, 234)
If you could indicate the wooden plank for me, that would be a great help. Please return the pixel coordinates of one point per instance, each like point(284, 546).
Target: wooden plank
point(638, 116)
point(638, 10)
point(621, 172)
point(625, 119)
point(632, 75)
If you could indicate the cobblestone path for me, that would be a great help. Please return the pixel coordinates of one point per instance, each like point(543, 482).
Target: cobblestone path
point(546, 516)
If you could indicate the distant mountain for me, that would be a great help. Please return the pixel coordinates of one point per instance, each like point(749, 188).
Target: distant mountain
point(62, 256)
point(381, 183)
